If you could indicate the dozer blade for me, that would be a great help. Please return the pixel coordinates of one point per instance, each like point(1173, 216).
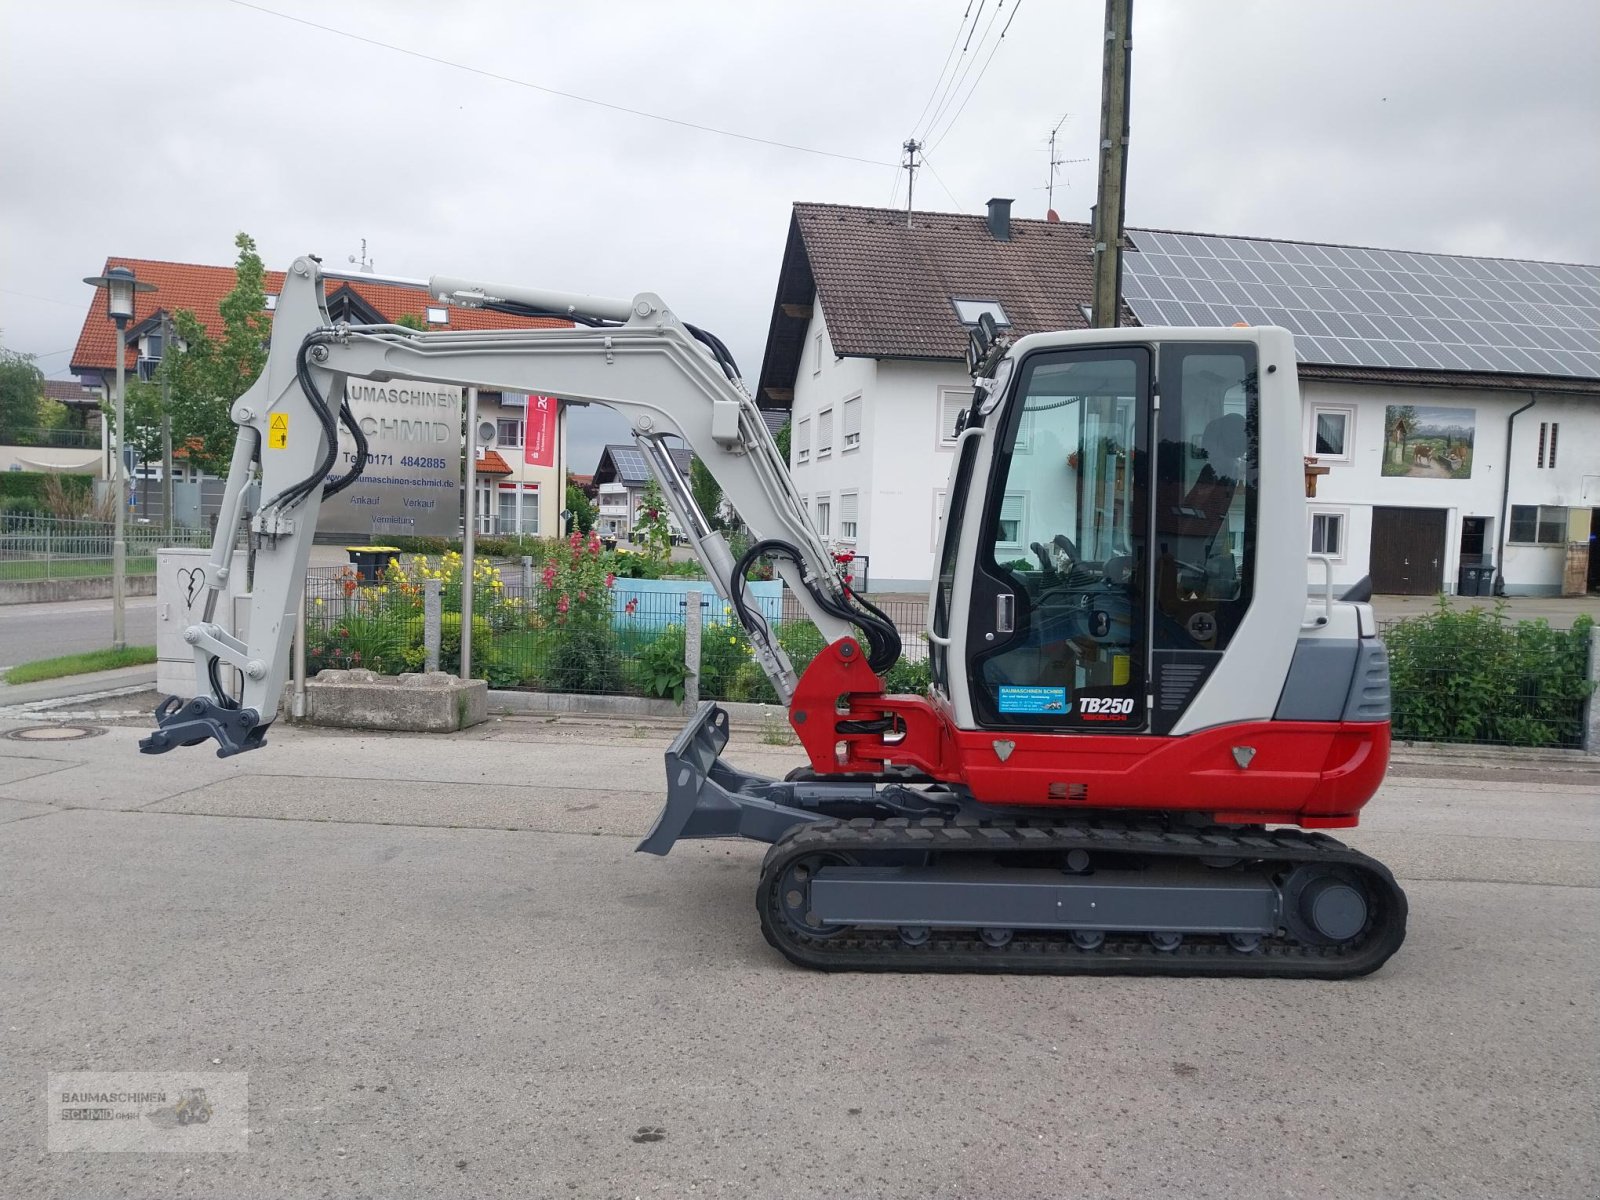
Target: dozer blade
point(707, 798)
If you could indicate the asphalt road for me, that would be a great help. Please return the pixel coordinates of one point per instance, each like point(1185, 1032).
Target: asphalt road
point(30, 631)
point(446, 973)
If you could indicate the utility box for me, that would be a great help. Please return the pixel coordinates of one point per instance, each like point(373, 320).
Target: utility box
point(180, 602)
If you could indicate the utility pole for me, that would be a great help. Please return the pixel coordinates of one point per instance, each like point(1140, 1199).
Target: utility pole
point(1111, 202)
point(910, 146)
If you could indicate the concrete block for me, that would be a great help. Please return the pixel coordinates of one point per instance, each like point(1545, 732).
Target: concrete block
point(422, 703)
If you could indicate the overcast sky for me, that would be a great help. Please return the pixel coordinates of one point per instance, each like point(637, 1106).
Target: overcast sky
point(1442, 125)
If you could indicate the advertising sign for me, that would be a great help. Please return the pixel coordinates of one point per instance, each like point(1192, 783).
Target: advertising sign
point(539, 431)
point(412, 482)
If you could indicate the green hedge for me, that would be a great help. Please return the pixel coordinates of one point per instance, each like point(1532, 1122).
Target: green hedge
point(1472, 676)
point(23, 491)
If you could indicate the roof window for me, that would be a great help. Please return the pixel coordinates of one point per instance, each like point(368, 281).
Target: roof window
point(968, 310)
point(272, 303)
point(438, 315)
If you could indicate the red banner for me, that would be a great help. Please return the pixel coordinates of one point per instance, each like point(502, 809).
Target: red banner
point(539, 432)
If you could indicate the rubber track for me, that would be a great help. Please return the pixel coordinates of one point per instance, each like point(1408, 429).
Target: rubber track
point(1044, 952)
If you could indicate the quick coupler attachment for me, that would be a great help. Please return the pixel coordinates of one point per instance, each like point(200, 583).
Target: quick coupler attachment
point(191, 722)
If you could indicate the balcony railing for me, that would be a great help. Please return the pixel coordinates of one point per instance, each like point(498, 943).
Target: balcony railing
point(60, 439)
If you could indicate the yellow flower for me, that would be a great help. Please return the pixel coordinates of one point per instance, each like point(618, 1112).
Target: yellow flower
point(319, 601)
point(733, 641)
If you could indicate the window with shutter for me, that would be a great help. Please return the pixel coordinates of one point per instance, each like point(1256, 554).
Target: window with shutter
point(802, 442)
point(849, 515)
point(825, 433)
point(851, 433)
point(952, 402)
point(1009, 535)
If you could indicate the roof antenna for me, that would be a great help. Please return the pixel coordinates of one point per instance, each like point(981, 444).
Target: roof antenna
point(366, 263)
point(911, 146)
point(1050, 200)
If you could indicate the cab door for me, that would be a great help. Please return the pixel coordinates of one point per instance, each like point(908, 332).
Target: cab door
point(1057, 633)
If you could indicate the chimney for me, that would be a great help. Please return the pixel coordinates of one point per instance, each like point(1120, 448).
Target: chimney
point(1000, 220)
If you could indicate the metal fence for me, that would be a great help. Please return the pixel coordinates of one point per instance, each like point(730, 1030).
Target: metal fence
point(648, 648)
point(1469, 678)
point(53, 548)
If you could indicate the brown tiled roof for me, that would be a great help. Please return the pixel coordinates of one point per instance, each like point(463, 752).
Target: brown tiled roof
point(885, 285)
point(68, 391)
point(492, 464)
point(200, 289)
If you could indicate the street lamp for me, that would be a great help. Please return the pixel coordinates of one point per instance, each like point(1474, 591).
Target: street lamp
point(120, 286)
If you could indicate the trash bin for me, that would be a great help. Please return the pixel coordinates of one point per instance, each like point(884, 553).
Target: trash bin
point(1475, 579)
point(369, 561)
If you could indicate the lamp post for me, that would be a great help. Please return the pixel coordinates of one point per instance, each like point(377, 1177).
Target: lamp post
point(120, 286)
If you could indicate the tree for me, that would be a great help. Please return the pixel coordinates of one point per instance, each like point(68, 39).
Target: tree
point(208, 374)
point(412, 321)
point(21, 389)
point(782, 438)
point(707, 492)
point(582, 509)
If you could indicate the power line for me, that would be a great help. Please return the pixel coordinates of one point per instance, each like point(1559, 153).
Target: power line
point(47, 299)
point(956, 80)
point(940, 181)
point(981, 74)
point(949, 54)
point(621, 108)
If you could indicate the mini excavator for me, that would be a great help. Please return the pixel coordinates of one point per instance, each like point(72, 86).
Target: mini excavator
point(1140, 724)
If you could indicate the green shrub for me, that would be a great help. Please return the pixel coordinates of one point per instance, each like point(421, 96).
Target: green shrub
point(1470, 675)
point(583, 659)
point(659, 668)
point(30, 485)
point(907, 678)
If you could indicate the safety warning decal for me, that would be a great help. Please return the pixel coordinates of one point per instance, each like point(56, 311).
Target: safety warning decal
point(1032, 699)
point(278, 431)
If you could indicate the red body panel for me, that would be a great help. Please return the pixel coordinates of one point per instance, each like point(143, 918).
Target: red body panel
point(1310, 773)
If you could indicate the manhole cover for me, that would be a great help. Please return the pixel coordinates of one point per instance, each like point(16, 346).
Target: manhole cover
point(54, 733)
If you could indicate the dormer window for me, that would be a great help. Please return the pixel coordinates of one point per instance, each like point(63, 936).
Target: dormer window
point(438, 315)
point(272, 303)
point(969, 309)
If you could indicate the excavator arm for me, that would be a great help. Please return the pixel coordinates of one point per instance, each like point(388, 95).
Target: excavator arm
point(670, 380)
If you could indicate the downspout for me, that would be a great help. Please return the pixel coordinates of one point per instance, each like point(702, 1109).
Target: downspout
point(1505, 498)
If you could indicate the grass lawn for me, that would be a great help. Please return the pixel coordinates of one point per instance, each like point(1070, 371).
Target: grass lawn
point(71, 568)
point(81, 664)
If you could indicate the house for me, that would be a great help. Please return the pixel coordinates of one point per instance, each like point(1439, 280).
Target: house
point(1412, 366)
point(620, 480)
point(73, 448)
point(514, 494)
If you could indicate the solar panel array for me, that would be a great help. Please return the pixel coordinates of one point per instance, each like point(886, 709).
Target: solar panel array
point(629, 462)
point(631, 465)
point(1375, 308)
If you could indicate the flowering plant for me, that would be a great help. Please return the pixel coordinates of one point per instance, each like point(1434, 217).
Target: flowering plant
point(652, 530)
point(576, 584)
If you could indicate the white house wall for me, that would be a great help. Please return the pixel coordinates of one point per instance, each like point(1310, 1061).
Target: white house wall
point(902, 467)
point(1354, 488)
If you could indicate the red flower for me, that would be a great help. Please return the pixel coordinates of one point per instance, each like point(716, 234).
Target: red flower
point(631, 606)
point(550, 576)
point(562, 605)
point(611, 578)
